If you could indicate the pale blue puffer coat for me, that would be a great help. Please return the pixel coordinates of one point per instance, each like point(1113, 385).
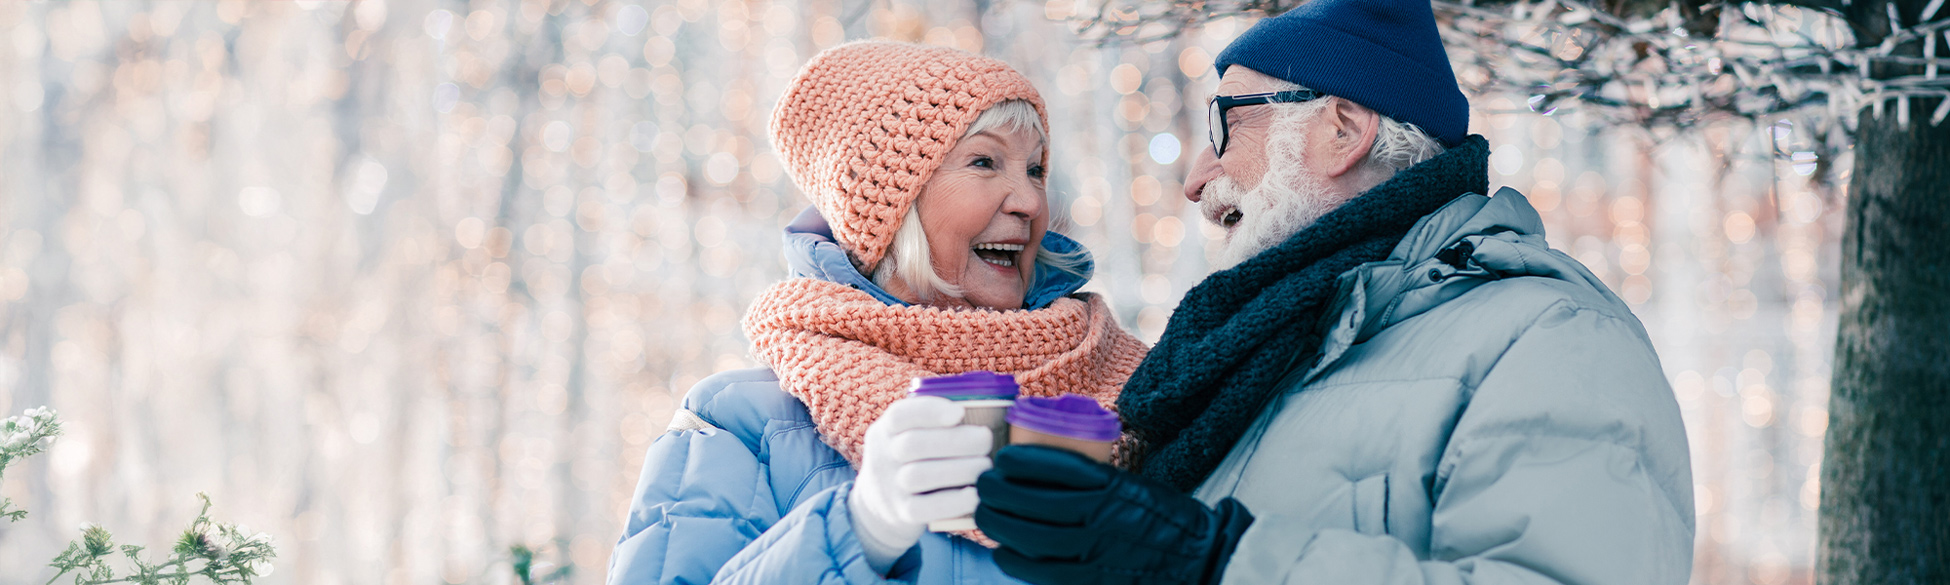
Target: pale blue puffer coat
point(741, 489)
point(1483, 411)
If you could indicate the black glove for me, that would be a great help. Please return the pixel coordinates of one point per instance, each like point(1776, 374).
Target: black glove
point(1064, 518)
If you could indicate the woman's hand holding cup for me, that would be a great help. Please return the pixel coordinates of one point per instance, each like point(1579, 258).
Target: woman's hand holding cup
point(919, 466)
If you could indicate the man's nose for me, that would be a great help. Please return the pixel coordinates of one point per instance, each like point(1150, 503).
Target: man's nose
point(1205, 167)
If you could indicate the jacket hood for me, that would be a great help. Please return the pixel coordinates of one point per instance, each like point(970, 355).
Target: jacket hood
point(812, 252)
point(1472, 240)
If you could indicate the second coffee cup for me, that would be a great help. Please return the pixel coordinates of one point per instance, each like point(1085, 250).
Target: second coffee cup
point(1069, 421)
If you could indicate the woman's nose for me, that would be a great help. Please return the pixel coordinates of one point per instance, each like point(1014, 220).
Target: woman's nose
point(1024, 199)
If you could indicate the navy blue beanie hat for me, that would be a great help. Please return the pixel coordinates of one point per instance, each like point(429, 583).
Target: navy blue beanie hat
point(1382, 54)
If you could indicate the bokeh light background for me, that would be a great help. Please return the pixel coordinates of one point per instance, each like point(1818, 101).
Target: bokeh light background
point(407, 283)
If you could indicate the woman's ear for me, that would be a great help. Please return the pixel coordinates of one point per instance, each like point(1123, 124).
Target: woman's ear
point(1354, 127)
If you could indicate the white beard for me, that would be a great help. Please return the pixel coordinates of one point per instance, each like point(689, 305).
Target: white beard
point(1289, 196)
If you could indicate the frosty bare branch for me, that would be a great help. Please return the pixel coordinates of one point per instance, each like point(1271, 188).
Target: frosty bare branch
point(1642, 63)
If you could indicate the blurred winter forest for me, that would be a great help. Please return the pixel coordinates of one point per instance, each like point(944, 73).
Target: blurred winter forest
point(409, 283)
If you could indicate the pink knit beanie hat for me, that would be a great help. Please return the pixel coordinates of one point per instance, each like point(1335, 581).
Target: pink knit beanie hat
point(865, 124)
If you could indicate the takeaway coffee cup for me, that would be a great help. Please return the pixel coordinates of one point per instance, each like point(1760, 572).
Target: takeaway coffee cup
point(985, 398)
point(1069, 421)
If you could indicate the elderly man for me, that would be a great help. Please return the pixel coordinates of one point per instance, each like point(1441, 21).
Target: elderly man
point(1397, 382)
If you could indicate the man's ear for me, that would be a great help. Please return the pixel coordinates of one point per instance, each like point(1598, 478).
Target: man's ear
point(1355, 127)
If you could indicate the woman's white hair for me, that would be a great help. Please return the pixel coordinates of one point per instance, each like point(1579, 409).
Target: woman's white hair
point(908, 258)
point(1397, 145)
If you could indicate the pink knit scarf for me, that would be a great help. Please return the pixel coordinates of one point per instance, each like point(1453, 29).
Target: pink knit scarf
point(847, 356)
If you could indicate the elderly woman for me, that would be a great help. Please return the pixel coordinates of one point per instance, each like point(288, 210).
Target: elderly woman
point(925, 253)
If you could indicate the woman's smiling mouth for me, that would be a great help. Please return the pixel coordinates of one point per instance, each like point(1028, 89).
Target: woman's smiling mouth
point(1003, 255)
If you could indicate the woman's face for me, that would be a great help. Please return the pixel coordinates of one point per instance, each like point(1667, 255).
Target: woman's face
point(984, 212)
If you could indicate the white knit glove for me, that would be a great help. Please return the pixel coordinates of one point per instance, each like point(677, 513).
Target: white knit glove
point(919, 466)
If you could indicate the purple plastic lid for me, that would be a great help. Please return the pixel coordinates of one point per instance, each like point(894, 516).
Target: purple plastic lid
point(1070, 415)
point(978, 385)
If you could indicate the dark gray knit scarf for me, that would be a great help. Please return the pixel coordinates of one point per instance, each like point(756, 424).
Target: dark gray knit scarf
point(1236, 334)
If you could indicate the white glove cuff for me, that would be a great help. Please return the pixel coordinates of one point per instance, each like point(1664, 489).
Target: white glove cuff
point(882, 541)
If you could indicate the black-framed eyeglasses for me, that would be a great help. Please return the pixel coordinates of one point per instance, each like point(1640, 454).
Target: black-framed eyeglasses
point(1215, 110)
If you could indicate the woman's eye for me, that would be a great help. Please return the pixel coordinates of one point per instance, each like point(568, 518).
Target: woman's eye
point(984, 162)
point(1037, 171)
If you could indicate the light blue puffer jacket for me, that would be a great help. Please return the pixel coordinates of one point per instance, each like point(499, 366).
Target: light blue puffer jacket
point(1483, 411)
point(741, 489)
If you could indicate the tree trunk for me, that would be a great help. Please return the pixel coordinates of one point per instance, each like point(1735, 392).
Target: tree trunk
point(1885, 483)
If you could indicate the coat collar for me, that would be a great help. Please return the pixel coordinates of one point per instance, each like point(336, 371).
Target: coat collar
point(811, 252)
point(1471, 241)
